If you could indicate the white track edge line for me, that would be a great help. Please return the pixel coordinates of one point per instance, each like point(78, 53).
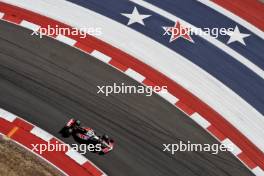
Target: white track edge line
point(220, 45)
point(7, 115)
point(233, 16)
point(135, 75)
point(101, 56)
point(66, 40)
point(29, 25)
point(1, 15)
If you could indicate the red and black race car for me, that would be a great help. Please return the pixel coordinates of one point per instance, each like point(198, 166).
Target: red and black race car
point(87, 135)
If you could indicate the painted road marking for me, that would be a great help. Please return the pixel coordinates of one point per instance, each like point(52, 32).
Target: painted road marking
point(12, 132)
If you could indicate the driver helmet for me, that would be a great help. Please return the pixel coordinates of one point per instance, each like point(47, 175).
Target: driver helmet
point(78, 122)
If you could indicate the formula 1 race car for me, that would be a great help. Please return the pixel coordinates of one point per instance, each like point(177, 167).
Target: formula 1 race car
point(87, 135)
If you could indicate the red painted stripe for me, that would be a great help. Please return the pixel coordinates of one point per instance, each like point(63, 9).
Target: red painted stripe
point(147, 82)
point(247, 160)
point(220, 136)
point(27, 139)
point(5, 126)
point(23, 124)
point(12, 18)
point(118, 65)
point(56, 142)
point(250, 10)
point(158, 79)
point(185, 108)
point(83, 47)
point(90, 167)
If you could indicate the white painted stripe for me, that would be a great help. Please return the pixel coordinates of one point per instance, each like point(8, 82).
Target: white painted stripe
point(168, 96)
point(234, 17)
point(222, 46)
point(135, 75)
point(29, 25)
point(200, 120)
point(258, 171)
point(7, 115)
point(66, 40)
point(80, 159)
point(235, 149)
point(176, 67)
point(101, 56)
point(41, 134)
point(1, 15)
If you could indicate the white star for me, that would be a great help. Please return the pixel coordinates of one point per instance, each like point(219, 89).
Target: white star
point(135, 17)
point(237, 36)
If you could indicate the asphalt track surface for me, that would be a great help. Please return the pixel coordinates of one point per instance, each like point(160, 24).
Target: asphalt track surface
point(47, 82)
